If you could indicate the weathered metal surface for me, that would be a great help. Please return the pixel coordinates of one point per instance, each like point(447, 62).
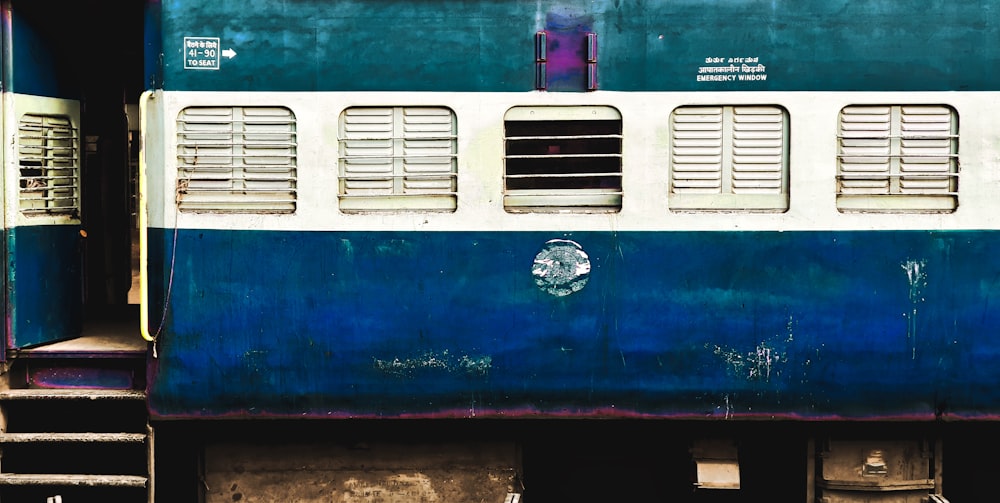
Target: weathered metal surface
point(695, 324)
point(80, 376)
point(20, 479)
point(20, 438)
point(71, 394)
point(43, 279)
point(465, 45)
point(879, 464)
point(99, 339)
point(814, 315)
point(876, 471)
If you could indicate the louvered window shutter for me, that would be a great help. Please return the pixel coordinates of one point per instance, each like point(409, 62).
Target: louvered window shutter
point(729, 158)
point(897, 158)
point(48, 157)
point(236, 160)
point(398, 158)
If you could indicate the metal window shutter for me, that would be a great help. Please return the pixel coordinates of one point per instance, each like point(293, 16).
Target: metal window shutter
point(49, 165)
point(236, 160)
point(728, 150)
point(428, 149)
point(398, 158)
point(865, 149)
point(758, 150)
point(925, 150)
point(367, 151)
point(697, 139)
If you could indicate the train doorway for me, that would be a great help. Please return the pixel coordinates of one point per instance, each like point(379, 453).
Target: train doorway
point(90, 53)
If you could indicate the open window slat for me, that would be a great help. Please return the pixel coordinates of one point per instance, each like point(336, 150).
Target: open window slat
point(562, 158)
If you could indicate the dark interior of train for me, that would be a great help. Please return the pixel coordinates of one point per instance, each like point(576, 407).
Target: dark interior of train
point(99, 52)
point(110, 176)
point(96, 52)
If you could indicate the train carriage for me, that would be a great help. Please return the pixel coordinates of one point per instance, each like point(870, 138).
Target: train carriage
point(685, 211)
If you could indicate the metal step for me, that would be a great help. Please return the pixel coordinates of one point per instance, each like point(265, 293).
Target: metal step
point(47, 439)
point(70, 409)
point(72, 394)
point(25, 479)
point(82, 437)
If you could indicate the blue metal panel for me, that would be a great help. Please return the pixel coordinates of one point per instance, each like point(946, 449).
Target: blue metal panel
point(680, 324)
point(44, 59)
point(486, 45)
point(43, 284)
point(5, 47)
point(152, 45)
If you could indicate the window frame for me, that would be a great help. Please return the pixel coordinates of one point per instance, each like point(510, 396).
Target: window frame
point(50, 145)
point(523, 166)
point(396, 166)
point(229, 160)
point(701, 141)
point(863, 141)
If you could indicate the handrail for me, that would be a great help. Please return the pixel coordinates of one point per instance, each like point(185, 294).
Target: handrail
point(143, 223)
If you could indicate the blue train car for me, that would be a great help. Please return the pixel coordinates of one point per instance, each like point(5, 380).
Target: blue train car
point(729, 210)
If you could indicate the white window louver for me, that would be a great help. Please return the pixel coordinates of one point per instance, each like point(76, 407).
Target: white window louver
point(398, 158)
point(236, 160)
point(49, 165)
point(729, 158)
point(897, 158)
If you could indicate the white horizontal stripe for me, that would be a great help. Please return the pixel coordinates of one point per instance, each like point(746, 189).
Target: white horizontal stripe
point(813, 122)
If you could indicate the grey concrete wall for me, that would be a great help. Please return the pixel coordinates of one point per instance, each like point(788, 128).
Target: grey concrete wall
point(362, 473)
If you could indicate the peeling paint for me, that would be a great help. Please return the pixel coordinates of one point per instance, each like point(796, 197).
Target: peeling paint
point(561, 267)
point(347, 249)
point(673, 339)
point(255, 360)
point(479, 365)
point(394, 248)
point(758, 364)
point(726, 408)
point(916, 275)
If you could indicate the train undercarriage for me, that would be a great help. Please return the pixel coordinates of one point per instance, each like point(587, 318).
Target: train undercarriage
point(584, 460)
point(75, 428)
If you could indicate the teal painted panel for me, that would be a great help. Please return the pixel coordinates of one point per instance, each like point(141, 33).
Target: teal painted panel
point(44, 284)
point(43, 59)
point(808, 325)
point(488, 45)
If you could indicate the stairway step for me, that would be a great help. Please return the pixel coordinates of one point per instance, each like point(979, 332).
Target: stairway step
point(72, 394)
point(83, 437)
point(24, 479)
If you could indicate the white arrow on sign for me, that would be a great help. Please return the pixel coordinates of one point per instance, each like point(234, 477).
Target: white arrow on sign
point(229, 53)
